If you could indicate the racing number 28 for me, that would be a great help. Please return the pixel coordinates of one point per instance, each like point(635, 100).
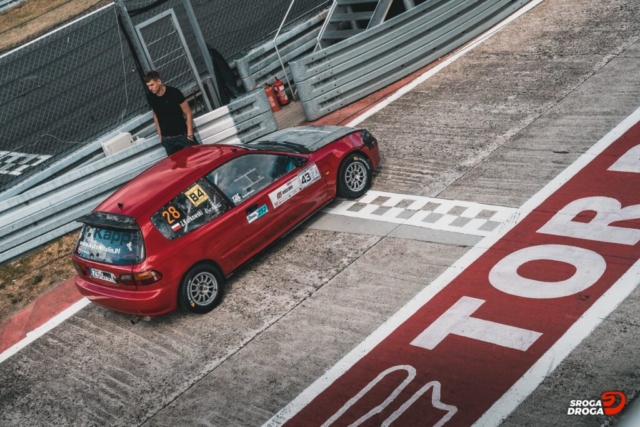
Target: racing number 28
point(171, 214)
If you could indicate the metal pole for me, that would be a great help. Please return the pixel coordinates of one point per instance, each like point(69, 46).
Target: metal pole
point(408, 4)
point(324, 25)
point(215, 93)
point(275, 43)
point(134, 37)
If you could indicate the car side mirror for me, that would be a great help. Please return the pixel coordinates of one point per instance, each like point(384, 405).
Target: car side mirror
point(299, 161)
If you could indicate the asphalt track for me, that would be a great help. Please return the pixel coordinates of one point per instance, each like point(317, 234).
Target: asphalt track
point(521, 123)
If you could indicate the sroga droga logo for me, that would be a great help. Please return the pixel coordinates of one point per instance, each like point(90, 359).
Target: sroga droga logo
point(610, 403)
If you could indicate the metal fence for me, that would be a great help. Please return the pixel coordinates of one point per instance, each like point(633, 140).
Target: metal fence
point(61, 90)
point(49, 211)
point(262, 65)
point(340, 74)
point(69, 87)
point(8, 4)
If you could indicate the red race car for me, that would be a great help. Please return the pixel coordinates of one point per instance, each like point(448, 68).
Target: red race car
point(176, 232)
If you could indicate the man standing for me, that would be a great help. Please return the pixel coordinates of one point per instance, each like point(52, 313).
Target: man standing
point(169, 110)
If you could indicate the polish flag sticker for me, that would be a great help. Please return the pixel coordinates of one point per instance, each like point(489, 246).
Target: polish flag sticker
point(177, 226)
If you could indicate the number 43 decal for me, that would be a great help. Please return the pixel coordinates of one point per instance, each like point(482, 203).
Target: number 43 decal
point(309, 176)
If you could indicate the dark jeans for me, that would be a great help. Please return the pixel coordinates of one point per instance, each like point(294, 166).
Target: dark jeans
point(173, 144)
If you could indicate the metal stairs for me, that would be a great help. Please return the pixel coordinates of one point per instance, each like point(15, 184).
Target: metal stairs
point(346, 18)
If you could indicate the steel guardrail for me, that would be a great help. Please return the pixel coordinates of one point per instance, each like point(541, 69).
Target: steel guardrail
point(261, 65)
point(338, 75)
point(49, 210)
point(8, 4)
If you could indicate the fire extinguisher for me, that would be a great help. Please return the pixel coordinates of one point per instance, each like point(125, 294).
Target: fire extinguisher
point(278, 86)
point(273, 99)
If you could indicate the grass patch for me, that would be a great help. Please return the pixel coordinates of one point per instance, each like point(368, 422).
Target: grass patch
point(23, 280)
point(32, 18)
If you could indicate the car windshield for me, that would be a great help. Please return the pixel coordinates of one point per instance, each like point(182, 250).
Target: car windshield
point(110, 245)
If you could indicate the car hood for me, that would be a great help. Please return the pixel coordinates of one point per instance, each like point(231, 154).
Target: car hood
point(311, 137)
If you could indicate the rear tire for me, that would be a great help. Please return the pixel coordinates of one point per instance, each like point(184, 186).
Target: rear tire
point(354, 176)
point(201, 289)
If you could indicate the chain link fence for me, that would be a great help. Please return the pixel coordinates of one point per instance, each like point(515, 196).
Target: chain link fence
point(80, 81)
point(64, 89)
point(246, 22)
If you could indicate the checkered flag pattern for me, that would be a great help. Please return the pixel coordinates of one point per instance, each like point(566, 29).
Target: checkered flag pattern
point(438, 214)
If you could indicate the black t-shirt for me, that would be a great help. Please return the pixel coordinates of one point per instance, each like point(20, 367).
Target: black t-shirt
point(167, 109)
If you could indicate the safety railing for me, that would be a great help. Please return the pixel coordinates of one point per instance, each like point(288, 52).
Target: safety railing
point(261, 65)
point(338, 75)
point(8, 4)
point(49, 210)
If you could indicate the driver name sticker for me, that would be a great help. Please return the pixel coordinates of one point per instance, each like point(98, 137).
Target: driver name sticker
point(261, 211)
point(292, 187)
point(196, 195)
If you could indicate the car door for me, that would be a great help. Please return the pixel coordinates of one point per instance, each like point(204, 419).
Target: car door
point(300, 193)
point(247, 181)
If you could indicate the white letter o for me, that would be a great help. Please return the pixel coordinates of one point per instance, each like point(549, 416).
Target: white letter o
point(589, 268)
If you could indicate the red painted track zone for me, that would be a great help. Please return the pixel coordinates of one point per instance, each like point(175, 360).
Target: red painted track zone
point(471, 373)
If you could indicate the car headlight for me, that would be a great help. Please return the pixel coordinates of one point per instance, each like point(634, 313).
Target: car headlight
point(368, 139)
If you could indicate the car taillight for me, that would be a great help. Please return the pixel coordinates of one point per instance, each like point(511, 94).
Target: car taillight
point(78, 268)
point(147, 277)
point(143, 278)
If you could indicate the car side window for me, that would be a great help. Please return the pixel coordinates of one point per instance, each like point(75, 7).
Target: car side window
point(189, 210)
point(246, 175)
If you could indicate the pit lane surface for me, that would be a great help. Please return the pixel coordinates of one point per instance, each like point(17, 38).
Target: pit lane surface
point(492, 128)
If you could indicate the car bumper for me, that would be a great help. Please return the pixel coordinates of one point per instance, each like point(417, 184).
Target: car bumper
point(374, 155)
point(152, 302)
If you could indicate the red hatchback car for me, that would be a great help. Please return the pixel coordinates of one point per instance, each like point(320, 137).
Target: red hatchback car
point(176, 232)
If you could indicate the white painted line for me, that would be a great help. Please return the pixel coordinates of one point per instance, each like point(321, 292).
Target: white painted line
point(41, 330)
point(591, 318)
point(393, 212)
point(545, 365)
point(61, 317)
point(445, 221)
point(392, 201)
point(444, 206)
point(57, 29)
point(561, 349)
point(474, 224)
point(370, 196)
point(417, 205)
point(430, 73)
point(471, 212)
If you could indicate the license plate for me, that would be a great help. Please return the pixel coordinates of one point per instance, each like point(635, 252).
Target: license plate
point(103, 275)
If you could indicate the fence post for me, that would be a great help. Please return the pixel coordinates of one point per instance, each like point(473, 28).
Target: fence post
point(134, 36)
point(275, 44)
point(215, 93)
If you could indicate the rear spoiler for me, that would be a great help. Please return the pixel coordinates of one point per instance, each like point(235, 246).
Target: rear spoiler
point(109, 220)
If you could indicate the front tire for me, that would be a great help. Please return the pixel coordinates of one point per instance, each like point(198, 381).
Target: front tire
point(201, 289)
point(354, 176)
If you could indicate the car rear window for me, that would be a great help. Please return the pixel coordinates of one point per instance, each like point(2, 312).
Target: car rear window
point(189, 210)
point(110, 245)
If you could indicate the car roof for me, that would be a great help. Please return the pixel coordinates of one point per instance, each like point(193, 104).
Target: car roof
point(311, 137)
point(162, 182)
